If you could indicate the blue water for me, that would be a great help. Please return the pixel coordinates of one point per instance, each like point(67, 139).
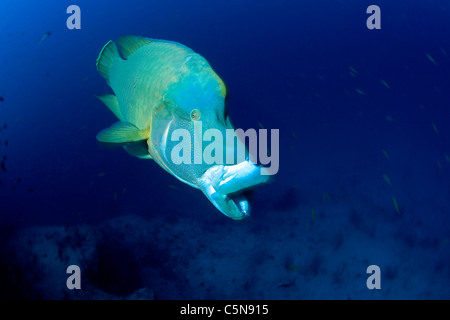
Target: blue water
point(364, 119)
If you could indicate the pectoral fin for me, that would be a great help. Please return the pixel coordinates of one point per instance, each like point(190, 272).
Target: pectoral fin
point(122, 132)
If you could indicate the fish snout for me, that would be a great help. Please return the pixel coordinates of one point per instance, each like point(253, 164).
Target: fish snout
point(224, 186)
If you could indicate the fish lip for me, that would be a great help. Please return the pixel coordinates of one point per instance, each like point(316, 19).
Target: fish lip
point(225, 187)
point(241, 202)
point(231, 179)
point(231, 205)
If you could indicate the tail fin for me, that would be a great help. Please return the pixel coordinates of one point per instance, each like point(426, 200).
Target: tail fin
point(106, 58)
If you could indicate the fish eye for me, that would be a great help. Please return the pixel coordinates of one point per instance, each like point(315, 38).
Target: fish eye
point(195, 114)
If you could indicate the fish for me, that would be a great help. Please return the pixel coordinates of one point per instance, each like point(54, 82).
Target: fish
point(389, 118)
point(395, 204)
point(435, 128)
point(45, 36)
point(360, 92)
point(439, 164)
point(386, 178)
point(2, 99)
point(352, 71)
point(162, 86)
point(293, 267)
point(386, 154)
point(431, 59)
point(385, 83)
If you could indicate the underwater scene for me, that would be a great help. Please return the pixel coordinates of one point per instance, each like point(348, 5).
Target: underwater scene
point(254, 150)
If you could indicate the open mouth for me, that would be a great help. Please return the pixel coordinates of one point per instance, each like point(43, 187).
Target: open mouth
point(241, 201)
point(227, 187)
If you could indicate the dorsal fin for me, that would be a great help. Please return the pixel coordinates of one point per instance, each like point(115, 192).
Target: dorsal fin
point(129, 44)
point(106, 58)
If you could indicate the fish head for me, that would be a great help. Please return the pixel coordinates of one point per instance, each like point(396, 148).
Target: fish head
point(191, 108)
point(199, 98)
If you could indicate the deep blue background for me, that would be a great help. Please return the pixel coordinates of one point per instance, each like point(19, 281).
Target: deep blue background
point(286, 65)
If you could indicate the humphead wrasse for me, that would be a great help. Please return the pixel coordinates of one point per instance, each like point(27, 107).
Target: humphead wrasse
point(160, 87)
